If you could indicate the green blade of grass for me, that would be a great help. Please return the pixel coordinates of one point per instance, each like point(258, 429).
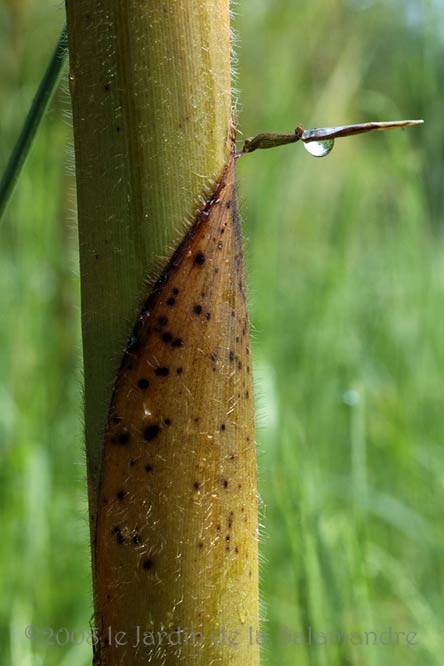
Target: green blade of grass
point(43, 96)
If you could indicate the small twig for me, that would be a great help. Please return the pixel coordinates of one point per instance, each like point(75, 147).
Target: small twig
point(270, 140)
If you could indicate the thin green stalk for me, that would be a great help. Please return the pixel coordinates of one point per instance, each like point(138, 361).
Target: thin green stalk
point(40, 103)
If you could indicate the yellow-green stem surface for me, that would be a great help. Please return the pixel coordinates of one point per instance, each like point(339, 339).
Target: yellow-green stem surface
point(150, 85)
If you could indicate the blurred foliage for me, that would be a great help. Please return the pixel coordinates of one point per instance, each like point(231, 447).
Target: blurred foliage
point(346, 273)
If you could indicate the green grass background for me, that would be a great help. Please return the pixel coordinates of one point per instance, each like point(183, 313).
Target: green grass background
point(346, 274)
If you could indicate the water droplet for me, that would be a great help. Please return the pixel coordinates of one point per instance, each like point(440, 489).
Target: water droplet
point(319, 148)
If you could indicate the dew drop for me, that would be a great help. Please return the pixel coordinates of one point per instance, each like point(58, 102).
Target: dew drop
point(319, 148)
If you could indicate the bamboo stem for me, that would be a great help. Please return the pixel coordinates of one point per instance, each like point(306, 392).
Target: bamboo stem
point(151, 97)
point(171, 450)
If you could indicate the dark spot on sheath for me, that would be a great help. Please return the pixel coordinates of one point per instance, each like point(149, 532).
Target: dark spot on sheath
point(175, 291)
point(167, 337)
point(118, 534)
point(222, 426)
point(167, 422)
point(117, 419)
point(177, 342)
point(247, 394)
point(118, 128)
point(122, 438)
point(151, 432)
point(171, 300)
point(199, 258)
point(236, 550)
point(231, 355)
point(227, 538)
point(120, 495)
point(132, 462)
point(239, 365)
point(225, 483)
point(218, 528)
point(196, 485)
point(213, 357)
point(143, 383)
point(200, 544)
point(107, 87)
point(148, 563)
point(233, 313)
point(162, 321)
point(179, 371)
point(228, 204)
point(148, 468)
point(162, 372)
point(197, 309)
